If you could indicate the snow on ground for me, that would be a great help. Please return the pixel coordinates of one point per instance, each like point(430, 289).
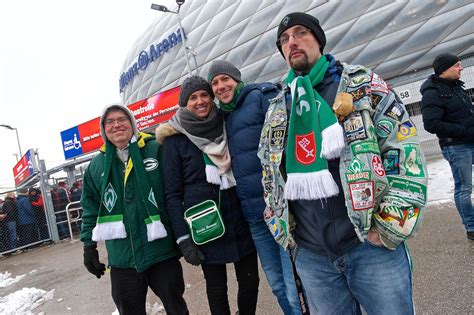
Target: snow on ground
point(24, 301)
point(440, 182)
point(5, 279)
point(440, 191)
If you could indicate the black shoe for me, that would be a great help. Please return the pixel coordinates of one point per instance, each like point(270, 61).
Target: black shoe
point(470, 235)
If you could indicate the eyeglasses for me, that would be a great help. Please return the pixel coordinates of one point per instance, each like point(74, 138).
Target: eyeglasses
point(120, 121)
point(285, 38)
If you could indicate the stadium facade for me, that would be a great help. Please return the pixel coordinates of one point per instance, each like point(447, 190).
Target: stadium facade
point(397, 39)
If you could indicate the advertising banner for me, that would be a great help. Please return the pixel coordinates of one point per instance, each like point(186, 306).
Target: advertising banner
point(25, 168)
point(86, 138)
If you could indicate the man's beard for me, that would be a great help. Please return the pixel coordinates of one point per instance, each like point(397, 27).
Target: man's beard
point(301, 64)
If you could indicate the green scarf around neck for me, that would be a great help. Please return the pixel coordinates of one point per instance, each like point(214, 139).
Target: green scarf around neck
point(110, 224)
point(314, 135)
point(229, 107)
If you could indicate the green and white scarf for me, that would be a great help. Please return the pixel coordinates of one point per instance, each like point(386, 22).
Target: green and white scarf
point(110, 224)
point(314, 135)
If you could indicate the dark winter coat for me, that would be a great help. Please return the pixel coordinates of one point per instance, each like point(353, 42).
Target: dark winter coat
point(447, 111)
point(243, 127)
point(10, 209)
point(186, 185)
point(26, 214)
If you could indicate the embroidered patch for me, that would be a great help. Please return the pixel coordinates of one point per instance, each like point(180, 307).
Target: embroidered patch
point(110, 197)
point(406, 189)
point(365, 147)
point(377, 166)
point(358, 80)
point(362, 195)
point(384, 128)
point(355, 171)
point(412, 163)
point(375, 99)
point(360, 93)
point(395, 111)
point(391, 161)
point(277, 136)
point(354, 128)
point(268, 213)
point(150, 164)
point(305, 148)
point(378, 85)
point(406, 130)
point(277, 118)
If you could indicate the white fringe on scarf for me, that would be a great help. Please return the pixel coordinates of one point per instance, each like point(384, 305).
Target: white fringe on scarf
point(155, 230)
point(310, 186)
point(225, 181)
point(108, 231)
point(332, 141)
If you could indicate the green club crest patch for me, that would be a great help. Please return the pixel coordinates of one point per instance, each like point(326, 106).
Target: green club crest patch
point(110, 197)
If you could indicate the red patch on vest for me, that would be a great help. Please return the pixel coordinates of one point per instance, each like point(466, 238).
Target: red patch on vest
point(377, 166)
point(306, 148)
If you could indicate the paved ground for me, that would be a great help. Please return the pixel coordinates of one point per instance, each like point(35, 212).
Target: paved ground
point(443, 274)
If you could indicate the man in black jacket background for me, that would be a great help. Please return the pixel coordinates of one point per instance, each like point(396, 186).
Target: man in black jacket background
point(449, 113)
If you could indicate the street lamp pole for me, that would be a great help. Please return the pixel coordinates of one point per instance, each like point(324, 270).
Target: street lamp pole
point(17, 137)
point(164, 9)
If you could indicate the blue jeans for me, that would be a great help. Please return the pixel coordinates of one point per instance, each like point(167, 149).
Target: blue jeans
point(11, 231)
point(376, 278)
point(460, 158)
point(277, 266)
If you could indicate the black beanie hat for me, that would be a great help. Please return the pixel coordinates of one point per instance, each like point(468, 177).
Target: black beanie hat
point(443, 62)
point(191, 85)
point(300, 18)
point(223, 67)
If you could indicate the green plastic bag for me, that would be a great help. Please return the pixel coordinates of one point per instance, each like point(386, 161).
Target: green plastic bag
point(205, 222)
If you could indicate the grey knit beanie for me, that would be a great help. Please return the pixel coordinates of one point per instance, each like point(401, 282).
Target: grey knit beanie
point(191, 85)
point(223, 67)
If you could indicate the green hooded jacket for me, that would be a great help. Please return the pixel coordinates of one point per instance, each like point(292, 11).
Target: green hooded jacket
point(134, 251)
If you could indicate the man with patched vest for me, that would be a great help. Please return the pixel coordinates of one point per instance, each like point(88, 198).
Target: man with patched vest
point(344, 178)
point(123, 205)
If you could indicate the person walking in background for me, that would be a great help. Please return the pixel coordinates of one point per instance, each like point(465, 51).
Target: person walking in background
point(36, 200)
point(26, 218)
point(123, 204)
point(349, 249)
point(244, 107)
point(60, 201)
point(11, 220)
point(76, 191)
point(195, 149)
point(448, 112)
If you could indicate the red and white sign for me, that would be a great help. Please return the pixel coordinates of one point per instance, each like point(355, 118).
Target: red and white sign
point(25, 168)
point(149, 112)
point(306, 148)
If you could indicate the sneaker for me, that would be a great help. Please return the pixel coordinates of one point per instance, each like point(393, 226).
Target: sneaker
point(470, 235)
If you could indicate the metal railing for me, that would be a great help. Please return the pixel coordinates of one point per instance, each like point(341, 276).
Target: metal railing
point(72, 207)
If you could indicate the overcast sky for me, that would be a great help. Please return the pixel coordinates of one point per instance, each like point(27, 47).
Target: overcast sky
point(60, 64)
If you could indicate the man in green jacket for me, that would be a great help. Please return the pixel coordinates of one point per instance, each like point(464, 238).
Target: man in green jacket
point(123, 205)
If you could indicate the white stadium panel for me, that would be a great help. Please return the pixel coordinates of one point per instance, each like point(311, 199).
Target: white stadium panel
point(392, 37)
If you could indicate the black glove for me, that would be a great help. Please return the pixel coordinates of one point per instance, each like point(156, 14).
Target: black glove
point(91, 261)
point(192, 254)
